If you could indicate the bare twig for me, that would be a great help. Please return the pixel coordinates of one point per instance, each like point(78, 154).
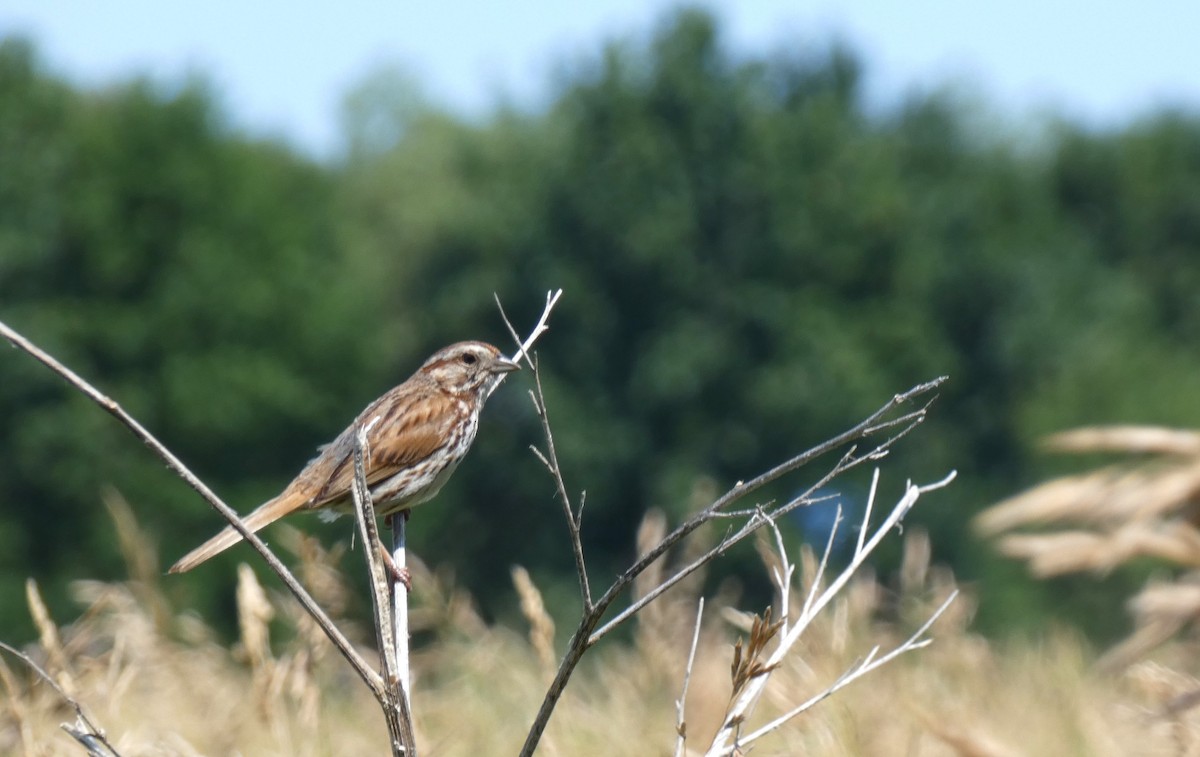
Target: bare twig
point(730, 736)
point(395, 701)
point(681, 704)
point(873, 423)
point(587, 632)
point(391, 689)
point(399, 525)
point(819, 576)
point(755, 522)
point(550, 457)
point(865, 666)
point(90, 736)
point(847, 462)
point(574, 518)
point(339, 640)
point(783, 573)
point(539, 329)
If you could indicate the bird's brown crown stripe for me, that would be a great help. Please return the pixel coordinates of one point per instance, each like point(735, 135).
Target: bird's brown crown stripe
point(441, 363)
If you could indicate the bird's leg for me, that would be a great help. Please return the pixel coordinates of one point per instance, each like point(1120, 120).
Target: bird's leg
point(397, 572)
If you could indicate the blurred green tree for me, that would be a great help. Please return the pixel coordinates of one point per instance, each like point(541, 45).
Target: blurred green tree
point(197, 277)
point(753, 259)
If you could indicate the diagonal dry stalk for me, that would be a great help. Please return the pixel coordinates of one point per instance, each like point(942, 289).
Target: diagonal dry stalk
point(681, 703)
point(389, 689)
point(339, 640)
point(89, 735)
point(720, 509)
point(589, 630)
point(395, 701)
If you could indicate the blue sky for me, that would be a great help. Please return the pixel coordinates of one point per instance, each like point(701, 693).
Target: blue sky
point(282, 68)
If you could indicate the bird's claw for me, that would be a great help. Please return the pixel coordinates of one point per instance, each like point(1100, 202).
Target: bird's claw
point(397, 572)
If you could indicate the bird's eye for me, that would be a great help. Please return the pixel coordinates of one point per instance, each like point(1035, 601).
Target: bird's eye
point(469, 359)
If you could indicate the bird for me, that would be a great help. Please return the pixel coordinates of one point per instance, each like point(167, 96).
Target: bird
point(417, 433)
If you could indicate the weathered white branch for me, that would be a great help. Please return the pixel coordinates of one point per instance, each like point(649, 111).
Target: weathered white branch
point(589, 631)
point(727, 738)
point(400, 605)
point(395, 699)
point(540, 328)
point(867, 665)
point(819, 576)
point(681, 703)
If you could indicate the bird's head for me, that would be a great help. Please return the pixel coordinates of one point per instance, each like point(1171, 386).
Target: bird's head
point(467, 367)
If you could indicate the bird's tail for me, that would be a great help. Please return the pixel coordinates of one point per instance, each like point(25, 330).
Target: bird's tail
point(266, 514)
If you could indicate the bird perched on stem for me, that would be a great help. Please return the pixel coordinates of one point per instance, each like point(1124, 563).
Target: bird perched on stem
point(417, 434)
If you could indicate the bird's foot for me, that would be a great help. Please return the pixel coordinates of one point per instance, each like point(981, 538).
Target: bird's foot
point(397, 572)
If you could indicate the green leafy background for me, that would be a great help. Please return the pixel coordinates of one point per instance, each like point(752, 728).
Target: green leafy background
point(752, 259)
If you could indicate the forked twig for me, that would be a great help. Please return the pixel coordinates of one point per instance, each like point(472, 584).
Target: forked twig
point(396, 707)
point(549, 458)
point(540, 328)
point(90, 736)
point(851, 459)
point(730, 738)
point(574, 517)
point(395, 702)
point(870, 663)
point(588, 631)
point(339, 640)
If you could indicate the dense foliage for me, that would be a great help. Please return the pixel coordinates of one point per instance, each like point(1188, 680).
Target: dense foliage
point(752, 262)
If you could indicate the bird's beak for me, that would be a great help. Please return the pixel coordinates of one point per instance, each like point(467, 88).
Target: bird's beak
point(504, 365)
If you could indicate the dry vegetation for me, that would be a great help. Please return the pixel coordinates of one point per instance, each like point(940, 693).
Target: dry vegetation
point(1144, 504)
point(160, 682)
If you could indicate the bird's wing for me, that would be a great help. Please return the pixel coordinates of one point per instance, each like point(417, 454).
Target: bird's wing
point(401, 434)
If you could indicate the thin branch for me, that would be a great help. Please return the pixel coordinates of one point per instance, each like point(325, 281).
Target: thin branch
point(550, 457)
point(871, 424)
point(680, 706)
point(369, 676)
point(579, 510)
point(574, 525)
point(539, 329)
point(741, 709)
point(576, 647)
point(90, 736)
point(400, 606)
point(586, 634)
point(394, 701)
point(866, 519)
point(846, 462)
point(783, 574)
point(819, 576)
point(901, 509)
point(868, 665)
point(907, 418)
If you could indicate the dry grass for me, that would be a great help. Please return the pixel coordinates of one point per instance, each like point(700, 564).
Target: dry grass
point(160, 683)
point(1144, 505)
